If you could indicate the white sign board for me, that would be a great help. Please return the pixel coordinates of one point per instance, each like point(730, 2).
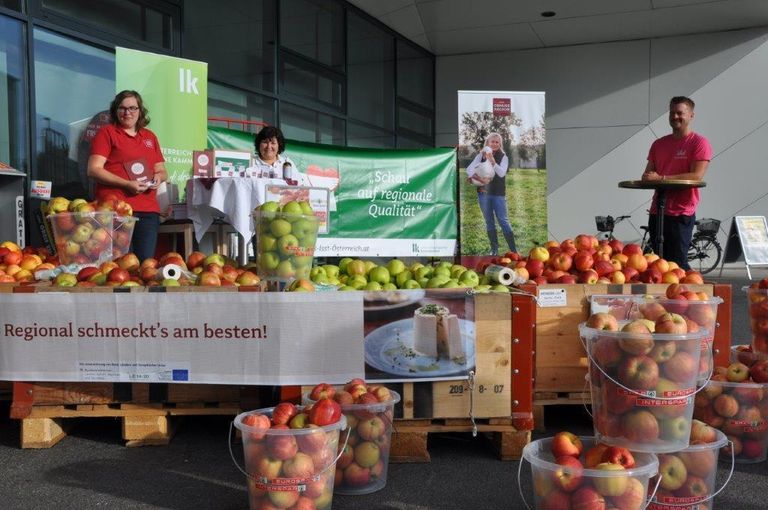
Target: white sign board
point(196, 337)
point(753, 234)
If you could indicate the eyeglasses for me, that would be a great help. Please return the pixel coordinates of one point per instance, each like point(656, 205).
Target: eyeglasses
point(132, 109)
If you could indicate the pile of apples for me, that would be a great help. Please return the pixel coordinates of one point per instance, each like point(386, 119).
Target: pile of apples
point(286, 239)
point(280, 462)
point(643, 400)
point(758, 315)
point(213, 270)
point(18, 265)
point(570, 487)
point(584, 259)
point(85, 232)
point(361, 274)
point(735, 401)
point(688, 476)
point(363, 461)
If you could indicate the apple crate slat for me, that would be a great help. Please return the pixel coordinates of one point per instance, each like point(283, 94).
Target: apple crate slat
point(560, 361)
point(148, 412)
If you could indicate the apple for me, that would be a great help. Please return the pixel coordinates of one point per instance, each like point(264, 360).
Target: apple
point(640, 426)
point(283, 412)
point(259, 422)
point(594, 455)
point(671, 323)
point(681, 368)
point(639, 341)
point(611, 485)
point(565, 443)
point(539, 253)
point(603, 321)
point(282, 447)
point(694, 488)
point(702, 433)
point(639, 372)
point(606, 352)
point(759, 372)
point(568, 476)
point(752, 449)
point(737, 372)
point(367, 454)
point(726, 406)
point(283, 498)
point(633, 497)
point(675, 429)
point(673, 472)
point(617, 400)
point(618, 455)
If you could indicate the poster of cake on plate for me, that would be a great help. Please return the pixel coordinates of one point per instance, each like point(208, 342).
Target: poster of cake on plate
point(419, 335)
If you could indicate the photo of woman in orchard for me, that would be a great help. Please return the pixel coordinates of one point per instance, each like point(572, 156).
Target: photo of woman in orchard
point(488, 172)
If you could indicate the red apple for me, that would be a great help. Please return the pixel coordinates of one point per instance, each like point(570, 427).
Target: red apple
point(594, 455)
point(671, 323)
point(586, 498)
point(566, 444)
point(639, 372)
point(759, 372)
point(619, 455)
point(681, 368)
point(640, 426)
point(569, 475)
point(633, 498)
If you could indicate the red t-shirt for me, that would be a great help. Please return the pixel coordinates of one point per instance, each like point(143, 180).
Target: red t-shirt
point(672, 156)
point(119, 148)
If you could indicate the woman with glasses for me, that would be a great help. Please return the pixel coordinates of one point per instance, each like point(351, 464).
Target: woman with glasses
point(124, 146)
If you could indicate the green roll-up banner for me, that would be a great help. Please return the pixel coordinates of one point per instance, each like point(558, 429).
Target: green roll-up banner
point(388, 203)
point(175, 91)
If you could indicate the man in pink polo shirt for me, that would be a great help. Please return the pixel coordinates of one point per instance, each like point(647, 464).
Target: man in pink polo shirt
point(683, 155)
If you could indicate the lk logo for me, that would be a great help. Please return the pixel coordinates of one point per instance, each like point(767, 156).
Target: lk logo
point(187, 83)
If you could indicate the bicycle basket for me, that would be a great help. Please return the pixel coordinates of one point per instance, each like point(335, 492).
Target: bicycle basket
point(604, 223)
point(708, 225)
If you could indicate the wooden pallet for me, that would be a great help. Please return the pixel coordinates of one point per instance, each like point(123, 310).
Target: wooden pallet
point(6, 388)
point(142, 424)
point(543, 399)
point(409, 437)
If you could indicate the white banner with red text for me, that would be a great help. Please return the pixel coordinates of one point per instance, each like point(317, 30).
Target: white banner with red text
point(196, 337)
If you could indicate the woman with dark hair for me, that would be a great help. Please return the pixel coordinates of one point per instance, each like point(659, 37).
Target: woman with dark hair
point(119, 148)
point(270, 144)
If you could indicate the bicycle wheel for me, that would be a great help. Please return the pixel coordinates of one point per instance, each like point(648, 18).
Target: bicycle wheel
point(704, 254)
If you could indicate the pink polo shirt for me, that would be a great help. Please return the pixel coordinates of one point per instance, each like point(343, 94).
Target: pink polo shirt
point(672, 156)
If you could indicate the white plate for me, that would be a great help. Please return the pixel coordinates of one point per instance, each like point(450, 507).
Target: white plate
point(385, 351)
point(370, 304)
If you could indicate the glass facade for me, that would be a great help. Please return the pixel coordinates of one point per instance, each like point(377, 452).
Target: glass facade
point(322, 70)
point(13, 133)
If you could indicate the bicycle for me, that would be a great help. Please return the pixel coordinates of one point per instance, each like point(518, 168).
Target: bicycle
point(704, 251)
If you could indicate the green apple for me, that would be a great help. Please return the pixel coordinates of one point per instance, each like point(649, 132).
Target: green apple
point(395, 266)
point(170, 282)
point(372, 286)
point(379, 274)
point(450, 284)
point(343, 264)
point(321, 278)
point(306, 209)
point(482, 288)
point(293, 208)
point(423, 272)
point(500, 288)
point(437, 281)
point(457, 270)
point(369, 264)
point(442, 271)
point(331, 270)
point(402, 277)
point(316, 271)
point(269, 260)
point(484, 280)
point(267, 242)
point(346, 288)
point(214, 258)
point(413, 267)
point(279, 227)
point(357, 281)
point(270, 206)
point(286, 245)
point(356, 267)
point(422, 282)
point(389, 286)
point(302, 260)
point(285, 269)
point(445, 264)
point(411, 284)
point(469, 277)
point(302, 273)
point(304, 227)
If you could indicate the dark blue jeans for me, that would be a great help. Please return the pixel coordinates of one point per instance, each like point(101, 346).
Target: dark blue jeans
point(677, 237)
point(145, 230)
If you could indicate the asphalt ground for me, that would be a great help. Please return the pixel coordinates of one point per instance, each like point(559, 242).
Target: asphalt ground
point(92, 469)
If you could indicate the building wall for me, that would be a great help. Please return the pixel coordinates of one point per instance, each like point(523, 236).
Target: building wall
point(606, 103)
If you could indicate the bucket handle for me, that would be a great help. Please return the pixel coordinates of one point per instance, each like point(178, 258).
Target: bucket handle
point(593, 362)
point(648, 501)
point(313, 479)
point(587, 387)
point(711, 496)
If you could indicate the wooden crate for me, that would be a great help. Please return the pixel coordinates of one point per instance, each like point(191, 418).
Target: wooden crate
point(148, 412)
point(561, 363)
point(409, 437)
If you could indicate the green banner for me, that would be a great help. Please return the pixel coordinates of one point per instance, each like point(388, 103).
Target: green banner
point(175, 91)
point(385, 203)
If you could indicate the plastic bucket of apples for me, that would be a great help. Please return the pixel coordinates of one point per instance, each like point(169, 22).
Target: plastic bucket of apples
point(735, 401)
point(757, 297)
point(578, 472)
point(364, 461)
point(642, 384)
point(286, 239)
point(699, 311)
point(290, 459)
point(687, 479)
point(91, 237)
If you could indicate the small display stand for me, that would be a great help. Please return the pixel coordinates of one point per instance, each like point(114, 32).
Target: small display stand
point(661, 188)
